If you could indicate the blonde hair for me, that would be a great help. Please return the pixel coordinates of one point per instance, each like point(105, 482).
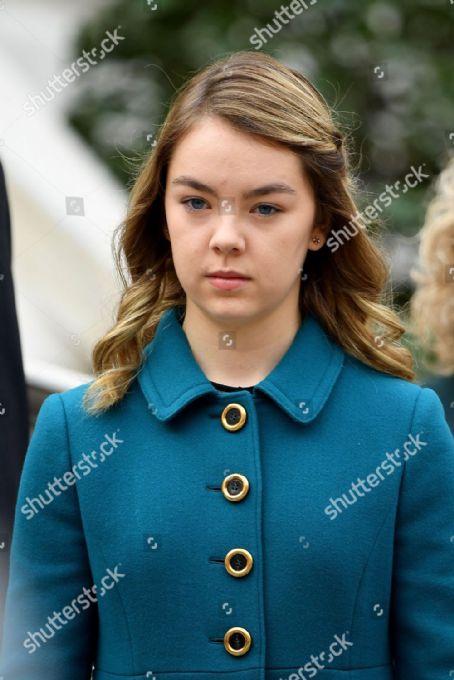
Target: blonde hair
point(432, 305)
point(345, 290)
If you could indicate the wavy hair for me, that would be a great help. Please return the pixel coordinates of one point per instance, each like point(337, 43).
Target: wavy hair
point(346, 290)
point(432, 305)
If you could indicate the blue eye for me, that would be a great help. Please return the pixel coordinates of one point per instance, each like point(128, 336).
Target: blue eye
point(189, 203)
point(188, 200)
point(266, 205)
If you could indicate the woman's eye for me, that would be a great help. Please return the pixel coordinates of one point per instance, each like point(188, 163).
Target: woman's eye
point(192, 208)
point(197, 205)
point(268, 214)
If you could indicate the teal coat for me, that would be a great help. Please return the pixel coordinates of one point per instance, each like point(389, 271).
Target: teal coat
point(331, 483)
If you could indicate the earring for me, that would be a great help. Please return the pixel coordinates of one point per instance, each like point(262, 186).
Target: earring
point(316, 239)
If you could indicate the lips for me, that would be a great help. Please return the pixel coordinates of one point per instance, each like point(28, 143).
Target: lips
point(228, 281)
point(227, 275)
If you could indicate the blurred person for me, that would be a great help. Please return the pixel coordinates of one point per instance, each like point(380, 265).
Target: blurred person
point(252, 486)
point(432, 305)
point(14, 426)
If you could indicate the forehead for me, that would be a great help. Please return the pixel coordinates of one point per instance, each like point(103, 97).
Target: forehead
point(213, 146)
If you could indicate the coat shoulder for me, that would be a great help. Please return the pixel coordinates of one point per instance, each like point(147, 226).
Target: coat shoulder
point(73, 405)
point(73, 397)
point(389, 395)
point(68, 404)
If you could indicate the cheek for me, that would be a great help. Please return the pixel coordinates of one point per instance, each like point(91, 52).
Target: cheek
point(183, 233)
point(187, 251)
point(283, 260)
point(173, 216)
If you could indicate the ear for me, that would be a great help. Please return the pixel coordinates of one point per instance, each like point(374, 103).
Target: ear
point(320, 228)
point(317, 239)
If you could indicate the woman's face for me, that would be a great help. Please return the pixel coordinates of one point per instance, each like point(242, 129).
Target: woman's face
point(223, 213)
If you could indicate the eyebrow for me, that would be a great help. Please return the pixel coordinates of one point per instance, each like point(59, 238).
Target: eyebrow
point(273, 188)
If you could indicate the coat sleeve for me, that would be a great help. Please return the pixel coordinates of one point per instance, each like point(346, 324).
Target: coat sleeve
point(422, 611)
point(48, 634)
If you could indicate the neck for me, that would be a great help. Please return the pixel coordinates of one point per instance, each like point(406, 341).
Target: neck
point(239, 352)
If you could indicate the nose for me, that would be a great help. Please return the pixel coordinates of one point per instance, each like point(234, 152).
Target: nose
point(227, 232)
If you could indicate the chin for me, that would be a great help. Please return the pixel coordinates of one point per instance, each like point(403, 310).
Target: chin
point(231, 315)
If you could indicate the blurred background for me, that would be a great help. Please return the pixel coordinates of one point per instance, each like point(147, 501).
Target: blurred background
point(69, 149)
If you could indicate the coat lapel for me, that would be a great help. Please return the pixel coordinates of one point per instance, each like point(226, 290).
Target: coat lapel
point(300, 383)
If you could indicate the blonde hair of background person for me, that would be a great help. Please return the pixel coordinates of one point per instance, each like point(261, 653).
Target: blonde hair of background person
point(432, 305)
point(345, 290)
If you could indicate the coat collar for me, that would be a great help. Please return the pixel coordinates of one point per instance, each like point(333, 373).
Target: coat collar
point(300, 383)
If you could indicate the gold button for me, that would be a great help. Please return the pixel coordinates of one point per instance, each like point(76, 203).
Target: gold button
point(233, 417)
point(235, 487)
point(238, 562)
point(237, 641)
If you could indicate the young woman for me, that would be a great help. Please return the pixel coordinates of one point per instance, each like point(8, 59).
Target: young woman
point(253, 487)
